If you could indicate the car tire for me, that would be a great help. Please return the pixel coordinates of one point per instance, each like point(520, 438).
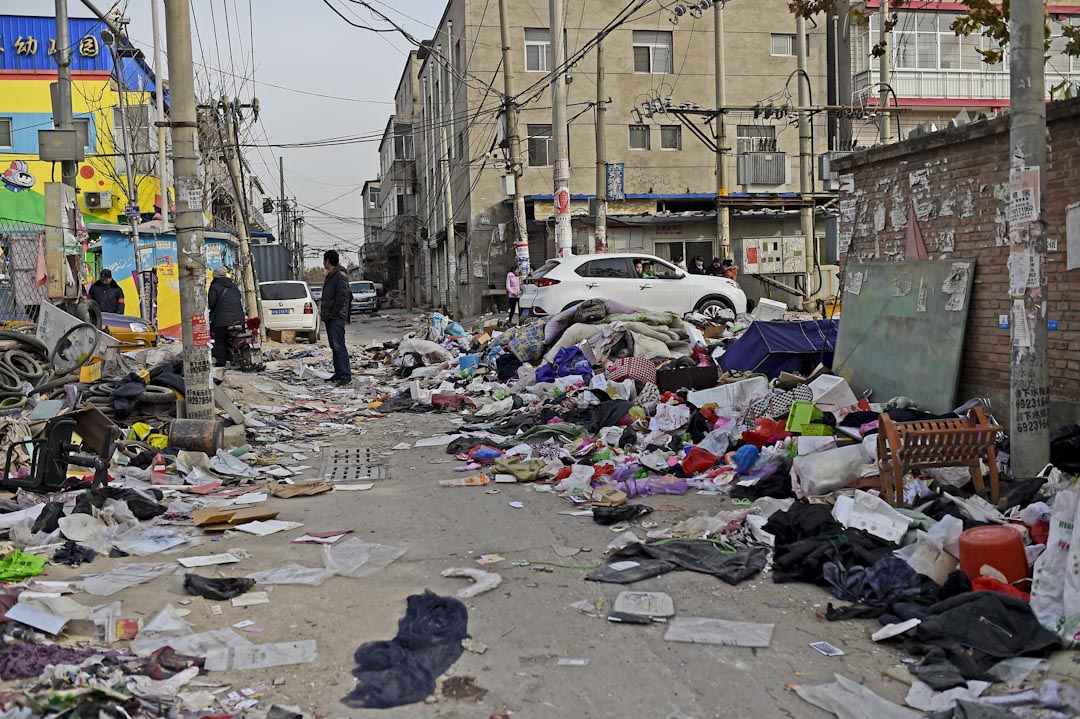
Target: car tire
point(712, 307)
point(313, 337)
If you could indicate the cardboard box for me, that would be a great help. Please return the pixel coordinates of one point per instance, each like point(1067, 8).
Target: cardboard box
point(607, 495)
point(713, 332)
point(693, 378)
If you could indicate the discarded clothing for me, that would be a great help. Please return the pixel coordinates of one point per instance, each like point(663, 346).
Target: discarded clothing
point(126, 395)
point(701, 556)
point(74, 554)
point(24, 661)
point(606, 516)
point(165, 663)
point(523, 470)
point(217, 589)
point(19, 565)
point(403, 670)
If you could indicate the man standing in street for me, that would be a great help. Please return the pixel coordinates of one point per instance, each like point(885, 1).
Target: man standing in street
point(108, 295)
point(334, 310)
point(226, 309)
point(513, 292)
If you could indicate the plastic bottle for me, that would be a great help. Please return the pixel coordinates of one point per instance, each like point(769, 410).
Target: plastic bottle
point(479, 480)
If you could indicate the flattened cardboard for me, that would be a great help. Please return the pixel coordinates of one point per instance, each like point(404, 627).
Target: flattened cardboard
point(608, 496)
point(300, 489)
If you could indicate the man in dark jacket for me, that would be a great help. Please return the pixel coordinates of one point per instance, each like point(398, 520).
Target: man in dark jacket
point(107, 294)
point(716, 268)
point(226, 309)
point(334, 309)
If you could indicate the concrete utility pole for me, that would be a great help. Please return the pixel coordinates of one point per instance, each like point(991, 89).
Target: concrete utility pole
point(806, 155)
point(189, 213)
point(163, 165)
point(723, 219)
point(451, 241)
point(232, 152)
point(560, 166)
point(884, 78)
point(1029, 398)
point(132, 209)
point(62, 112)
point(843, 71)
point(513, 135)
point(601, 153)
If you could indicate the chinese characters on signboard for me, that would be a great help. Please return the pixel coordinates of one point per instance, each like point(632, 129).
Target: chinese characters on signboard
point(615, 174)
point(28, 45)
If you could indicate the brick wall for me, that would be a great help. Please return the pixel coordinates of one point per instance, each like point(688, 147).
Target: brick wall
point(958, 179)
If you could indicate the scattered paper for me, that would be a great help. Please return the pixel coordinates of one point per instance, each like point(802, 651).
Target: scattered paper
point(827, 649)
point(262, 656)
point(320, 537)
point(37, 618)
point(208, 560)
point(703, 630)
point(250, 599)
point(266, 527)
point(363, 486)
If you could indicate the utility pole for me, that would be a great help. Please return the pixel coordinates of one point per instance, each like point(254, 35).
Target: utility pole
point(281, 202)
point(601, 153)
point(1029, 398)
point(884, 74)
point(843, 71)
point(723, 219)
point(232, 151)
point(451, 241)
point(199, 392)
point(163, 166)
point(513, 135)
point(560, 166)
point(62, 113)
point(806, 156)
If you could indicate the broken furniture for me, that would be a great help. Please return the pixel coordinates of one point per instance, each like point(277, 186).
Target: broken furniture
point(54, 453)
point(905, 446)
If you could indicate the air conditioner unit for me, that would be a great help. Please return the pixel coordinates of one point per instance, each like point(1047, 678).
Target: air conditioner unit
point(97, 200)
point(762, 168)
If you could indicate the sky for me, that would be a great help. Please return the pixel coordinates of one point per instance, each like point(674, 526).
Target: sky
point(281, 46)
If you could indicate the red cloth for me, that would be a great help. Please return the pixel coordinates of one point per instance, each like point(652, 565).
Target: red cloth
point(767, 431)
point(697, 461)
point(987, 584)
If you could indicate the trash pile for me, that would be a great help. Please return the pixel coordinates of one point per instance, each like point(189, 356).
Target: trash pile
point(906, 518)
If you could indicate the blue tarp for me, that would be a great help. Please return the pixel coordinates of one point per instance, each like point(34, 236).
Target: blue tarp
point(774, 347)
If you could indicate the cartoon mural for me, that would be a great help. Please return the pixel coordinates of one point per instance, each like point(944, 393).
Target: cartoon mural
point(17, 176)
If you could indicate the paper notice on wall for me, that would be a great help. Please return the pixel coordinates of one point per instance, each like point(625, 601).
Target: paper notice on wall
point(955, 286)
point(1019, 265)
point(1072, 237)
point(879, 218)
point(924, 290)
point(843, 244)
point(854, 283)
point(1021, 327)
point(847, 210)
point(902, 286)
point(1023, 195)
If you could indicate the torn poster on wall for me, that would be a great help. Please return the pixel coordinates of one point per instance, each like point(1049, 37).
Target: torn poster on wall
point(1023, 194)
point(955, 286)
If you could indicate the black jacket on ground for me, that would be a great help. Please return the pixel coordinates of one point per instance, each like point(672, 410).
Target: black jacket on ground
point(225, 303)
point(109, 297)
point(336, 296)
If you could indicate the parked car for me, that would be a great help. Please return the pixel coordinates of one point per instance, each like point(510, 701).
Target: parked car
point(564, 282)
point(364, 296)
point(131, 330)
point(289, 306)
point(316, 291)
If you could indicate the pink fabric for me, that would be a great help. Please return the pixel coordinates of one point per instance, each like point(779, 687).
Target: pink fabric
point(513, 285)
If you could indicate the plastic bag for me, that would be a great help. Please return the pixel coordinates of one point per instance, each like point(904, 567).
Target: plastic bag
point(825, 472)
point(1055, 587)
point(356, 559)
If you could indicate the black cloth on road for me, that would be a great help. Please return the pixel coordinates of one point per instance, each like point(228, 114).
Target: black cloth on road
point(126, 395)
point(403, 670)
point(217, 589)
point(689, 554)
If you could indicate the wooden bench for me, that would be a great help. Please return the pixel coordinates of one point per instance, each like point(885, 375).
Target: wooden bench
point(906, 446)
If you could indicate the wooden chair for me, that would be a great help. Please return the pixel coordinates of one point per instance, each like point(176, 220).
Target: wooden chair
point(905, 446)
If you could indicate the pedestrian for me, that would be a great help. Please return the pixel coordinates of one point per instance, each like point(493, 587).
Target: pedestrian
point(716, 268)
point(697, 266)
point(730, 270)
point(334, 310)
point(513, 292)
point(108, 295)
point(679, 262)
point(226, 307)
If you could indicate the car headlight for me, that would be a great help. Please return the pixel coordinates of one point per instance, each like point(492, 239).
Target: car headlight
point(139, 327)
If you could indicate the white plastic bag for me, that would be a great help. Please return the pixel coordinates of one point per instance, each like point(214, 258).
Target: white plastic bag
point(1055, 588)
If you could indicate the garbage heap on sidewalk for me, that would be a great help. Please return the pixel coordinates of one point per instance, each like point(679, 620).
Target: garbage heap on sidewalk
point(975, 573)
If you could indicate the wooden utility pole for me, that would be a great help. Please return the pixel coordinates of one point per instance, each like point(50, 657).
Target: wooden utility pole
point(232, 153)
point(513, 137)
point(560, 166)
point(1029, 397)
point(601, 153)
point(199, 393)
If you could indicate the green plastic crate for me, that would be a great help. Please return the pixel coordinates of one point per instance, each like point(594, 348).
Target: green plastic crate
point(803, 417)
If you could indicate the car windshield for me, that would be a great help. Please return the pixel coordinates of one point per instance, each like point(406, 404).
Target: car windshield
point(544, 269)
point(362, 286)
point(283, 290)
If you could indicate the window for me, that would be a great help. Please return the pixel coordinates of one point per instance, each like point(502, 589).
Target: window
point(373, 198)
point(756, 138)
point(138, 131)
point(461, 147)
point(640, 137)
point(284, 290)
point(652, 51)
point(926, 41)
point(615, 267)
point(5, 132)
point(82, 127)
point(671, 137)
point(403, 141)
point(538, 51)
point(781, 45)
point(540, 149)
point(399, 207)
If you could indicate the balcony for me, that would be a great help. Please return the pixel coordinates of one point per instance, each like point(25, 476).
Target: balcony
point(958, 85)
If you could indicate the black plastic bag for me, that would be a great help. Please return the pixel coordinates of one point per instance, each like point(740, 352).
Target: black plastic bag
point(216, 589)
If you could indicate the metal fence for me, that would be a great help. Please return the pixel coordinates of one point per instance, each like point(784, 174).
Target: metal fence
point(22, 270)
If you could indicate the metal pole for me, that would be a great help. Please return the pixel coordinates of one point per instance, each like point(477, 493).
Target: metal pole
point(513, 133)
point(451, 242)
point(282, 216)
point(806, 156)
point(247, 274)
point(1029, 398)
point(560, 166)
point(884, 75)
point(132, 209)
point(199, 394)
point(843, 70)
point(62, 112)
point(723, 218)
point(163, 165)
point(601, 153)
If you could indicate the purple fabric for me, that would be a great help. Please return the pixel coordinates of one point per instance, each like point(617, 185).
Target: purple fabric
point(24, 661)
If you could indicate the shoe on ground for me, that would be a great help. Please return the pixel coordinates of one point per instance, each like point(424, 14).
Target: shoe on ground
point(343, 382)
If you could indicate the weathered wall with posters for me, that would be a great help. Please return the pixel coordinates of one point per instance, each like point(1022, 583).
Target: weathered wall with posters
point(953, 184)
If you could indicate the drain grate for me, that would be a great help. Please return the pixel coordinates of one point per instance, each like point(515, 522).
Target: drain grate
point(351, 465)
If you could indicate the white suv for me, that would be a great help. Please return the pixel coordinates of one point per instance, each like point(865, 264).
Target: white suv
point(561, 283)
